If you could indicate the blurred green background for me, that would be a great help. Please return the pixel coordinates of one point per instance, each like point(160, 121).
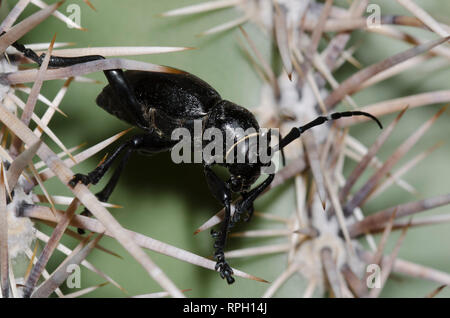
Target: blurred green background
point(168, 202)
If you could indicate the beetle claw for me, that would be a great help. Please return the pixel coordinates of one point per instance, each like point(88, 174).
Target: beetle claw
point(225, 270)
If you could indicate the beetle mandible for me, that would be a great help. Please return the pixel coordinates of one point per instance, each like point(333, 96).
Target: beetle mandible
point(158, 103)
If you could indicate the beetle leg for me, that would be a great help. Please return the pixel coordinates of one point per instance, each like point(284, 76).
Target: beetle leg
point(246, 203)
point(106, 192)
point(123, 90)
point(95, 175)
point(115, 78)
point(221, 192)
point(151, 142)
point(55, 61)
point(142, 141)
point(283, 155)
point(239, 211)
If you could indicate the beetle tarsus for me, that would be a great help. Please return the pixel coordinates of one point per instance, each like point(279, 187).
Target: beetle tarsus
point(79, 177)
point(223, 267)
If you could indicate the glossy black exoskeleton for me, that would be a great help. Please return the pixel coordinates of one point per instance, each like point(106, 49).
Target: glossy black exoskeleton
point(158, 103)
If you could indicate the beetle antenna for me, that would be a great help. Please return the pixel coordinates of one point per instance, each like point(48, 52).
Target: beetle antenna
point(296, 132)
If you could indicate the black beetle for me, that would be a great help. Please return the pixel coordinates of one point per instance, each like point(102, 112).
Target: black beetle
point(158, 103)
